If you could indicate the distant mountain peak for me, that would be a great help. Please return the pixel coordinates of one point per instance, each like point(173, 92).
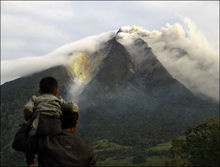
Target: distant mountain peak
point(129, 29)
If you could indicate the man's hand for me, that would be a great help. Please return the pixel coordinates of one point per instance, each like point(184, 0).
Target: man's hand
point(30, 165)
point(29, 121)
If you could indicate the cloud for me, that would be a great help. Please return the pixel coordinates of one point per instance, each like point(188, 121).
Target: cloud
point(55, 11)
point(28, 65)
point(58, 23)
point(187, 55)
point(29, 27)
point(204, 14)
point(19, 34)
point(12, 69)
point(13, 44)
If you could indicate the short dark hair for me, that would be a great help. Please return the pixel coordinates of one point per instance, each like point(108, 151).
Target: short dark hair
point(48, 85)
point(69, 119)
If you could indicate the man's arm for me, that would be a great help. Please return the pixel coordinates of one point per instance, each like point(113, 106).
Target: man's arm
point(22, 142)
point(92, 162)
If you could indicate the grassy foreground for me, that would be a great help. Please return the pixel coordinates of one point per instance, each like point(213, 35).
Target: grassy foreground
point(113, 154)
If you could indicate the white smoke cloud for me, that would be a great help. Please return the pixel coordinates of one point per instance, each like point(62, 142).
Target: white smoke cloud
point(186, 54)
point(12, 69)
point(75, 89)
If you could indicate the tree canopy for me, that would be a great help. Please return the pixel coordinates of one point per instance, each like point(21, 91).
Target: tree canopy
point(199, 147)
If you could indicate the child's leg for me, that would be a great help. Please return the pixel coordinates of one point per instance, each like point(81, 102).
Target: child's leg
point(29, 158)
point(34, 125)
point(29, 154)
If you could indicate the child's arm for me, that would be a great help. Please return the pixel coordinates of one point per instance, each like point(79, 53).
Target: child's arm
point(29, 108)
point(73, 106)
point(68, 106)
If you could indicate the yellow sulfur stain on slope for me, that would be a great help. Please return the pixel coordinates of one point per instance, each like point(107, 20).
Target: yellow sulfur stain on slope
point(84, 65)
point(81, 68)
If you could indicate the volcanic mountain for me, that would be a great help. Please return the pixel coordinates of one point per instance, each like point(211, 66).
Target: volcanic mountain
point(129, 101)
point(134, 98)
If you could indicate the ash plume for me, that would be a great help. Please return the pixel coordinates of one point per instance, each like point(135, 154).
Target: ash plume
point(187, 55)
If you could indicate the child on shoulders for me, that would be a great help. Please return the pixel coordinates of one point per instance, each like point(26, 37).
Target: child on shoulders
point(44, 112)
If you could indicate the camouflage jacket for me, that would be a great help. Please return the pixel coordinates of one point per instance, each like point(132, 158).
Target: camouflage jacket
point(47, 104)
point(46, 111)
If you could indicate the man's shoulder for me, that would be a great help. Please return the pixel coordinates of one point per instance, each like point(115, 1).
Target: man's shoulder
point(68, 149)
point(75, 141)
point(81, 141)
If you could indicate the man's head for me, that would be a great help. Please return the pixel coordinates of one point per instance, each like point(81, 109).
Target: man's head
point(69, 118)
point(48, 85)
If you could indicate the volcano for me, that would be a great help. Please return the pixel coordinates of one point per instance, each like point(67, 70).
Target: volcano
point(131, 101)
point(134, 98)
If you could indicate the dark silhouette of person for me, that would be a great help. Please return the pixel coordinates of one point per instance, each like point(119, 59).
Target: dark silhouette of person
point(62, 150)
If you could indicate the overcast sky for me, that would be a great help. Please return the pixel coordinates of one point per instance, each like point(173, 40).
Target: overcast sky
point(36, 28)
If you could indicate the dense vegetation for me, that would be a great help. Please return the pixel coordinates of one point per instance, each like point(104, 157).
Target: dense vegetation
point(199, 147)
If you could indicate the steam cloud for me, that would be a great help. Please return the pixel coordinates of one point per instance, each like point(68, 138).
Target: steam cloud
point(13, 69)
point(186, 54)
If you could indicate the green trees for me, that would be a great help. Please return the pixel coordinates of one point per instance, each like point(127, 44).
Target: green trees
point(200, 147)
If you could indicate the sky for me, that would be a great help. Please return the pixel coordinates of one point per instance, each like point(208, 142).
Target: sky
point(36, 28)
